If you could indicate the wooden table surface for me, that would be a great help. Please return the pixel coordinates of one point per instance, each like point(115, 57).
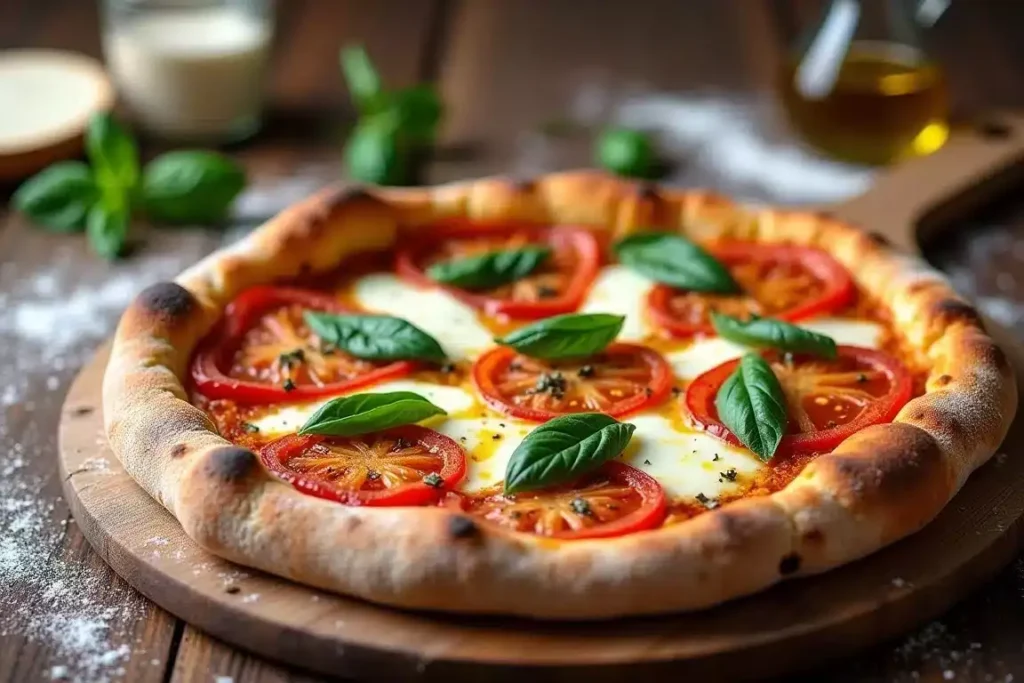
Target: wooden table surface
point(508, 69)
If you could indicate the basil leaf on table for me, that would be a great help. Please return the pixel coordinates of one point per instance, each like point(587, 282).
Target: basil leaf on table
point(626, 152)
point(490, 269)
point(363, 413)
point(418, 110)
point(375, 337)
point(59, 197)
point(360, 75)
point(191, 186)
point(107, 228)
point(751, 404)
point(112, 152)
point(373, 155)
point(774, 334)
point(674, 260)
point(563, 448)
point(565, 336)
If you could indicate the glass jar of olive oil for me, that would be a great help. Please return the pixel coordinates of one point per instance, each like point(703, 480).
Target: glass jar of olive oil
point(861, 87)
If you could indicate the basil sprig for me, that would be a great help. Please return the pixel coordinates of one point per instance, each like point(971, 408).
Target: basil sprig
point(363, 413)
point(565, 336)
point(775, 334)
point(490, 269)
point(101, 198)
point(674, 260)
point(752, 405)
point(375, 337)
point(563, 448)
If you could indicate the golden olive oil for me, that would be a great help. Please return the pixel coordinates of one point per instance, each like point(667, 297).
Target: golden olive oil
point(888, 102)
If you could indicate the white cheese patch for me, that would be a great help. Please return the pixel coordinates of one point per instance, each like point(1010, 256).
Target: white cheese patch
point(452, 323)
point(705, 354)
point(621, 291)
point(489, 443)
point(687, 463)
point(288, 419)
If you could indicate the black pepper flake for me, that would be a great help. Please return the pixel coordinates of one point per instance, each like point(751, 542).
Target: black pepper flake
point(433, 479)
point(716, 458)
point(291, 358)
point(250, 427)
point(676, 391)
point(553, 383)
point(648, 392)
point(501, 424)
point(728, 475)
point(496, 437)
point(373, 475)
point(701, 498)
point(709, 503)
point(580, 507)
point(586, 371)
point(861, 377)
point(401, 444)
point(289, 385)
point(647, 462)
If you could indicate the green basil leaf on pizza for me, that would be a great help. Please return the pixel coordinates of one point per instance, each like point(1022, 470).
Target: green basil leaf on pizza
point(752, 405)
point(375, 337)
point(364, 413)
point(674, 260)
point(564, 448)
point(574, 335)
point(773, 334)
point(490, 269)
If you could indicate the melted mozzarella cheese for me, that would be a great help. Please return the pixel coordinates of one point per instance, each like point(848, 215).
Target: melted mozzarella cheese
point(288, 419)
point(621, 291)
point(489, 443)
point(705, 354)
point(452, 323)
point(687, 463)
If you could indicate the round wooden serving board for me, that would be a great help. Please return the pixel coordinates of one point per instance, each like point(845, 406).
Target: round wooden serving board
point(789, 627)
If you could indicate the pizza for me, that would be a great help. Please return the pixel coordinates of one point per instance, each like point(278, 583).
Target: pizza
point(570, 398)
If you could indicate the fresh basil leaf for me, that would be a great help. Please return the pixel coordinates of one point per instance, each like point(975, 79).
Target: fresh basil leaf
point(418, 110)
point(563, 448)
point(107, 227)
point(361, 76)
point(191, 187)
point(375, 337)
point(363, 413)
point(626, 152)
point(59, 197)
point(490, 269)
point(774, 334)
point(112, 152)
point(565, 336)
point(373, 153)
point(675, 260)
point(751, 404)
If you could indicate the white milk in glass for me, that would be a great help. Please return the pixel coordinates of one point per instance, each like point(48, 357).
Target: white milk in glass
point(193, 74)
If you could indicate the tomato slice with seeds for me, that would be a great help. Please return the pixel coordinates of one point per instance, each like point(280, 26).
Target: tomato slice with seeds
point(827, 400)
point(262, 352)
point(782, 281)
point(558, 285)
point(409, 465)
point(614, 500)
point(622, 379)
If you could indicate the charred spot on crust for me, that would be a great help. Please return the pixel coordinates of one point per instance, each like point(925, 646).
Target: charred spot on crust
point(522, 184)
point(79, 411)
point(814, 537)
point(879, 239)
point(943, 380)
point(345, 195)
point(232, 590)
point(954, 309)
point(789, 564)
point(648, 192)
point(231, 463)
point(167, 300)
point(461, 526)
point(991, 354)
point(179, 450)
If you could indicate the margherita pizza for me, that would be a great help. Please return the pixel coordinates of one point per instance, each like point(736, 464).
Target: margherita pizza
point(576, 397)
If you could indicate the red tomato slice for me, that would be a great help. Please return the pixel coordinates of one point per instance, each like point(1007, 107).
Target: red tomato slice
point(409, 465)
point(264, 353)
point(782, 281)
point(614, 500)
point(557, 286)
point(623, 378)
point(827, 400)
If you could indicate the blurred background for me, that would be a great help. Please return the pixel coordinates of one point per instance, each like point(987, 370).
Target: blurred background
point(796, 102)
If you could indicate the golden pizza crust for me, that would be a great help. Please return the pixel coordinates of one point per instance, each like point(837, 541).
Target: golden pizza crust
point(880, 485)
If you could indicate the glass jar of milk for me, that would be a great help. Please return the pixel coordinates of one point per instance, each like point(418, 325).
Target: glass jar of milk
point(190, 69)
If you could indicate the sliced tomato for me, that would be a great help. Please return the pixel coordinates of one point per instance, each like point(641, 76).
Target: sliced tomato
point(409, 465)
point(622, 379)
point(827, 400)
point(614, 500)
point(782, 281)
point(557, 286)
point(263, 352)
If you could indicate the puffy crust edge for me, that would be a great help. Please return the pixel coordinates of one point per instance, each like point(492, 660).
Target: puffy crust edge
point(878, 486)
